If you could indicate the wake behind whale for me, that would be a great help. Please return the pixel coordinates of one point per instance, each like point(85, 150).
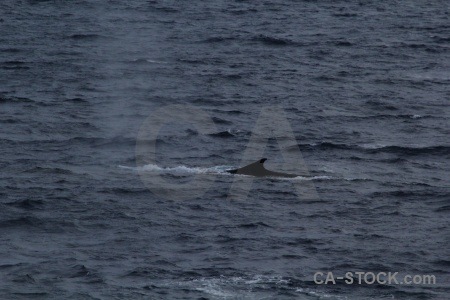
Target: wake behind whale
point(255, 169)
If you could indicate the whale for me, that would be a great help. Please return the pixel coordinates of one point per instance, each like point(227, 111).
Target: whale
point(257, 169)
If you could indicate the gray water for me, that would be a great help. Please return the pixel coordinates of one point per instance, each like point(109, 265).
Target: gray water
point(364, 87)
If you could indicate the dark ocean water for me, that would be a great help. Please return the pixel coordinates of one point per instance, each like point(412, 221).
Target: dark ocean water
point(365, 87)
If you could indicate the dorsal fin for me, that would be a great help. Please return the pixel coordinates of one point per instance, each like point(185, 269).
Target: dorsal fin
point(257, 169)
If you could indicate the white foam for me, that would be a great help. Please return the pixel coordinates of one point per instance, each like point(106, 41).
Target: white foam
point(148, 60)
point(180, 169)
point(237, 287)
point(155, 61)
point(212, 287)
point(373, 146)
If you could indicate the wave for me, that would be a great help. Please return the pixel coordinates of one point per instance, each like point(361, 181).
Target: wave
point(21, 222)
point(11, 50)
point(378, 117)
point(380, 105)
point(441, 40)
point(343, 44)
point(345, 15)
point(146, 60)
point(37, 223)
point(27, 278)
point(12, 65)
point(10, 121)
point(221, 121)
point(218, 39)
point(227, 133)
point(46, 170)
point(88, 36)
point(253, 225)
point(4, 99)
point(273, 41)
point(76, 100)
point(445, 208)
point(223, 134)
point(376, 148)
point(243, 287)
point(92, 141)
point(27, 204)
point(433, 150)
point(231, 112)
